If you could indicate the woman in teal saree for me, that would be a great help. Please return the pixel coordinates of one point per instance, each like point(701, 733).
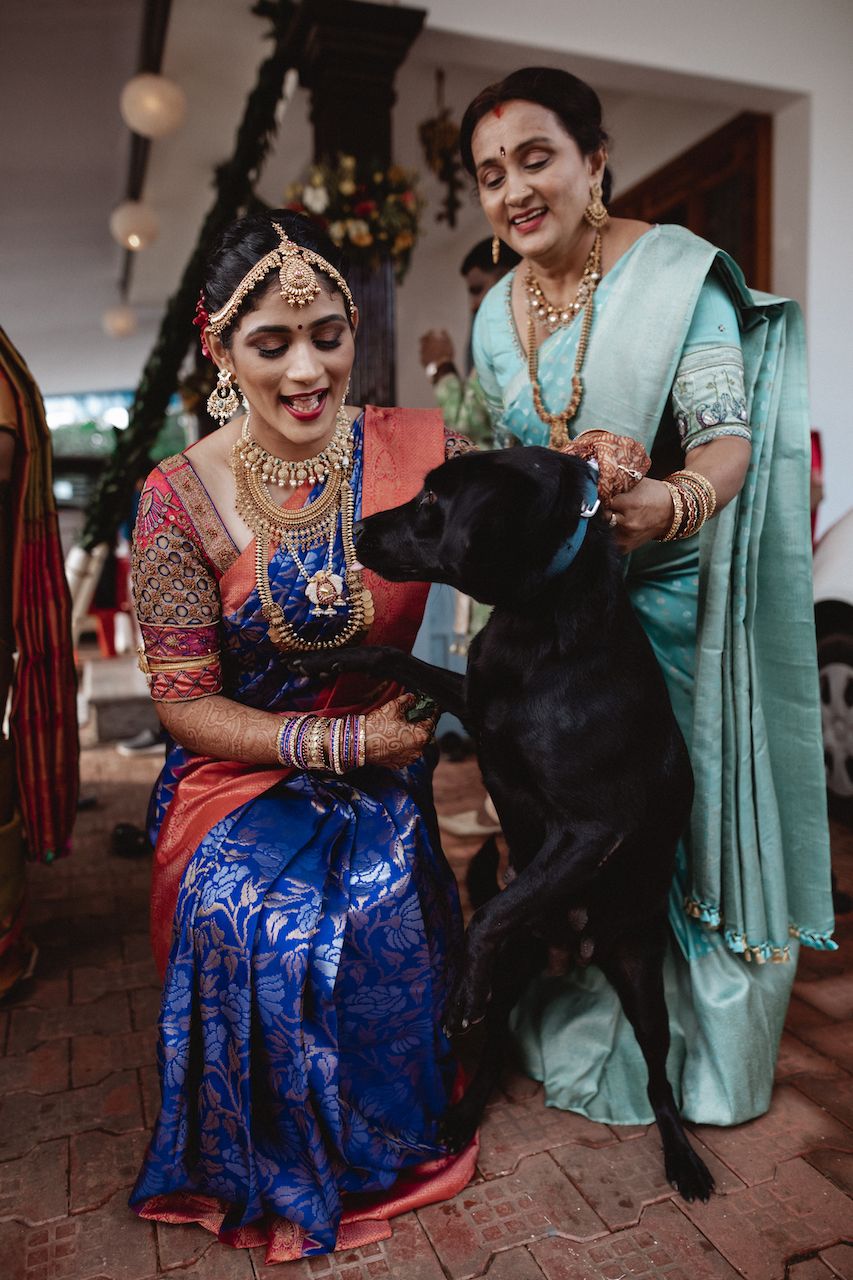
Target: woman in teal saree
point(657, 338)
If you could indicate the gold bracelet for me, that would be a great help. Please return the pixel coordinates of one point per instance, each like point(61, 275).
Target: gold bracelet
point(677, 512)
point(315, 754)
point(335, 734)
point(704, 485)
point(362, 741)
point(703, 496)
point(694, 500)
point(286, 736)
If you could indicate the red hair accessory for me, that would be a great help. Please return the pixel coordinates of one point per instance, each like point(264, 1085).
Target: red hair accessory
point(201, 320)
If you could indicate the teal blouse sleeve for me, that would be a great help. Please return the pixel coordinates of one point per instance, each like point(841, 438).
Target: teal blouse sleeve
point(708, 394)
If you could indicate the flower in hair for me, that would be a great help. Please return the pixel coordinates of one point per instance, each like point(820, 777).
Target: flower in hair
point(201, 320)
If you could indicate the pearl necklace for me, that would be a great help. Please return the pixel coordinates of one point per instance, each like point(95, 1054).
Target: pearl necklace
point(550, 313)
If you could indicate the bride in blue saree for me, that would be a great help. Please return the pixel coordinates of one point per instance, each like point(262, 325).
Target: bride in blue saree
point(303, 913)
point(656, 341)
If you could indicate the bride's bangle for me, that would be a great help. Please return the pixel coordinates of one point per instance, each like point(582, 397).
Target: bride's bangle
point(336, 744)
point(287, 739)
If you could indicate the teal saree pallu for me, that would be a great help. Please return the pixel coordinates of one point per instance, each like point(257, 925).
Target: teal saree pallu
point(759, 865)
point(729, 614)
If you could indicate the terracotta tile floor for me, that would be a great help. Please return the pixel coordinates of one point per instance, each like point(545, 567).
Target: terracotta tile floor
point(557, 1197)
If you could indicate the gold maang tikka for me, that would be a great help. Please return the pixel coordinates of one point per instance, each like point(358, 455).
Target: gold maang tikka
point(296, 272)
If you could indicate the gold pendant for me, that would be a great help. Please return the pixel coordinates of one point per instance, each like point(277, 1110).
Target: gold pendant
point(325, 591)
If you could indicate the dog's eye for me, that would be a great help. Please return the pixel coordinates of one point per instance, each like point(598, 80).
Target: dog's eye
point(428, 498)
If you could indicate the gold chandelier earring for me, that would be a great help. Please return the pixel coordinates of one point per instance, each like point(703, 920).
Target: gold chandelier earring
point(595, 212)
point(496, 249)
point(223, 401)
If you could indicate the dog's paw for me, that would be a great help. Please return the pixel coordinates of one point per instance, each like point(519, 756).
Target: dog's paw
point(467, 1007)
point(688, 1174)
point(312, 664)
point(459, 1125)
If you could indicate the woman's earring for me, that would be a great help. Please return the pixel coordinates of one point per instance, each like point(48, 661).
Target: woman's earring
point(223, 401)
point(342, 413)
point(496, 249)
point(595, 212)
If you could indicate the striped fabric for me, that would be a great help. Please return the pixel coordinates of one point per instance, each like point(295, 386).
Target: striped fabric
point(43, 713)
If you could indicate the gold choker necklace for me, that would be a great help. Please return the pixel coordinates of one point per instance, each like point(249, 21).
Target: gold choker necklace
point(311, 471)
point(553, 315)
point(301, 528)
point(559, 422)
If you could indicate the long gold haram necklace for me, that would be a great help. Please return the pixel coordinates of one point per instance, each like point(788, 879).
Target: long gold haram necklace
point(304, 527)
point(558, 422)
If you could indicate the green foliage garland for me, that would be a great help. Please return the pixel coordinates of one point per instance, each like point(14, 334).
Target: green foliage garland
point(233, 183)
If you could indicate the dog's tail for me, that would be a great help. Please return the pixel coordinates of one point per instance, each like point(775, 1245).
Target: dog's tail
point(482, 875)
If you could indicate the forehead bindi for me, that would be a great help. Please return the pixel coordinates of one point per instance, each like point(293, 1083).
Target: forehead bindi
point(497, 136)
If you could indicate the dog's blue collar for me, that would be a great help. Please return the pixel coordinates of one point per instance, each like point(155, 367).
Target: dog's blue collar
point(565, 554)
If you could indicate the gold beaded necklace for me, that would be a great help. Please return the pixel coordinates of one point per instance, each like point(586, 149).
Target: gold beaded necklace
point(302, 528)
point(282, 471)
point(558, 422)
point(551, 313)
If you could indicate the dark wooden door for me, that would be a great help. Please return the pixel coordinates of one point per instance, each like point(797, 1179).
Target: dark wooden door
point(720, 189)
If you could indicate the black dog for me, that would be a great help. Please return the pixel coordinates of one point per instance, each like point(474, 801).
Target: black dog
point(576, 739)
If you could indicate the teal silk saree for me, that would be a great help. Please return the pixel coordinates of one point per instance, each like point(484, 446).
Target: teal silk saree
point(729, 615)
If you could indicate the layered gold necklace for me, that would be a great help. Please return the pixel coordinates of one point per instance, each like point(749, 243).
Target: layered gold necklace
point(554, 317)
point(299, 529)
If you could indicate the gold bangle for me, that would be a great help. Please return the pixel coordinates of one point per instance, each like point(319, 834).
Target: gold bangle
point(291, 725)
point(677, 512)
point(694, 500)
point(157, 665)
point(335, 733)
point(703, 483)
point(315, 754)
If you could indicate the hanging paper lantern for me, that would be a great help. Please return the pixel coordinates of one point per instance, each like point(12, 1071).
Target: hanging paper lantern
point(152, 106)
point(119, 321)
point(134, 225)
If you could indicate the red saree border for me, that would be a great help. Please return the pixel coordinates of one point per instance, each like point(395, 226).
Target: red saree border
point(400, 447)
point(365, 1221)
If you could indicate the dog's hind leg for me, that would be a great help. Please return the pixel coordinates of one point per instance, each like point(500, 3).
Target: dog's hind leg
point(562, 865)
point(635, 968)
